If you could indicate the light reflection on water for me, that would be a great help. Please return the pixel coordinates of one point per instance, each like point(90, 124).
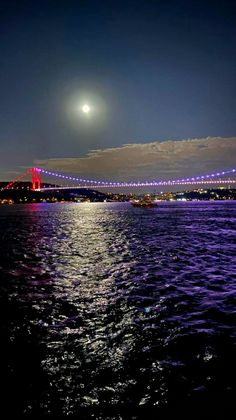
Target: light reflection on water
point(121, 306)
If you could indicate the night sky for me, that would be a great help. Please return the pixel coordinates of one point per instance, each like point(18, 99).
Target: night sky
point(158, 75)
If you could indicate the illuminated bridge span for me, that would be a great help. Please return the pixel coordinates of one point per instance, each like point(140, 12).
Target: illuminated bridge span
point(36, 173)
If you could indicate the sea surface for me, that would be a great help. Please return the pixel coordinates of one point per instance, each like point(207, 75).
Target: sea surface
point(107, 310)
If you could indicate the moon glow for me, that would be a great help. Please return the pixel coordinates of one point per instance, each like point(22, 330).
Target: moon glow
point(86, 108)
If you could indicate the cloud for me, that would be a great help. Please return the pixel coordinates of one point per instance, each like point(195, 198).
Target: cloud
point(156, 160)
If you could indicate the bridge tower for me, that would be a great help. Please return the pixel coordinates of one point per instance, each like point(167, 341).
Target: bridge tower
point(36, 180)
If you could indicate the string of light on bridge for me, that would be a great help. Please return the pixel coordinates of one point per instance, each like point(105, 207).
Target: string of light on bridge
point(201, 179)
point(10, 184)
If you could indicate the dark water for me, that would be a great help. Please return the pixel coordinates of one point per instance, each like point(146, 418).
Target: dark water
point(107, 309)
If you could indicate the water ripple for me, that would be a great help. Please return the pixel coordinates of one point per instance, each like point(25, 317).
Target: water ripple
point(119, 306)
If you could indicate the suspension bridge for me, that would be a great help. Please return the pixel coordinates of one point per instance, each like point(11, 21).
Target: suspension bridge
point(36, 174)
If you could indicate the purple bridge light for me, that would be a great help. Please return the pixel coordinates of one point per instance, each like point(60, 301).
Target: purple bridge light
point(36, 173)
point(91, 183)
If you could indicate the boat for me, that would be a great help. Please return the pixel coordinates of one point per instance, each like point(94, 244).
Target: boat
point(145, 202)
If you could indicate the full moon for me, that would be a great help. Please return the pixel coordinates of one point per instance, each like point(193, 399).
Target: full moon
point(85, 108)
